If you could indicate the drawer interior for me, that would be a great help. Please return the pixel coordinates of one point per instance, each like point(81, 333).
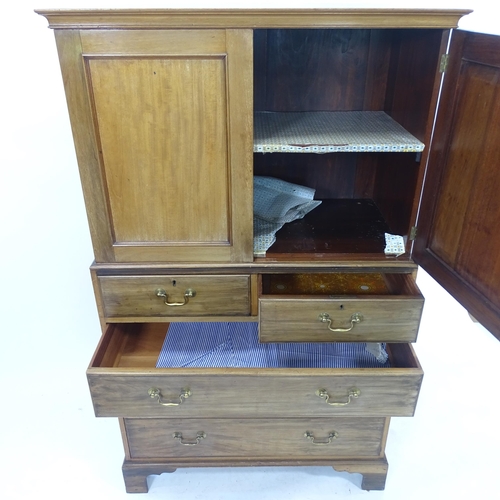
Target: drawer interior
point(124, 382)
point(138, 346)
point(338, 284)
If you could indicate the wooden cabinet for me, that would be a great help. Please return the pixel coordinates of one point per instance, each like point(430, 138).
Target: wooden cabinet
point(173, 114)
point(163, 130)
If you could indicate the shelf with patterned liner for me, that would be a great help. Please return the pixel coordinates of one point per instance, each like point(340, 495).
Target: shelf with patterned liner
point(331, 132)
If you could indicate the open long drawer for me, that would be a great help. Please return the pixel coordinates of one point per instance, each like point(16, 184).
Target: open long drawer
point(124, 382)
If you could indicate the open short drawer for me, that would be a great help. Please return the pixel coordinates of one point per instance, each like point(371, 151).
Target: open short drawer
point(124, 382)
point(339, 308)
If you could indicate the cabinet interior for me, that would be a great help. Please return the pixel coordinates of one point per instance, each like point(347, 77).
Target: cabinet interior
point(364, 194)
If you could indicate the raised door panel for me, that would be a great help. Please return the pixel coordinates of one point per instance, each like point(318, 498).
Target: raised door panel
point(169, 155)
point(157, 153)
point(458, 240)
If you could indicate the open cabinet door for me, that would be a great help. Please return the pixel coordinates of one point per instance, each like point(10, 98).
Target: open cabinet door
point(458, 240)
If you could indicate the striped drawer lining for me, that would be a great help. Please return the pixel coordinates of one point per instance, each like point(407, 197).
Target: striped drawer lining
point(226, 345)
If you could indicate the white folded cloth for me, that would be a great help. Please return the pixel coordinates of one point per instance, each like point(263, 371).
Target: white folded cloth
point(276, 202)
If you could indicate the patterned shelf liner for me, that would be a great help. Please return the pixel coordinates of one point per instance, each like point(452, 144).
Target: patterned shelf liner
point(331, 132)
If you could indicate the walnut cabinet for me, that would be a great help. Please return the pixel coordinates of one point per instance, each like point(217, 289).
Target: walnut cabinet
point(173, 114)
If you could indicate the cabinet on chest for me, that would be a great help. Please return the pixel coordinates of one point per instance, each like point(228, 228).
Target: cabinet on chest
point(294, 332)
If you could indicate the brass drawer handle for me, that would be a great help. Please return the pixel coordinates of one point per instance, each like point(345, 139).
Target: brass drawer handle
point(333, 435)
point(189, 293)
point(155, 393)
point(355, 318)
point(199, 436)
point(353, 393)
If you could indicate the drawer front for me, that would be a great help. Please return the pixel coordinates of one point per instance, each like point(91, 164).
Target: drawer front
point(392, 317)
point(256, 438)
point(195, 393)
point(213, 393)
point(175, 296)
point(343, 319)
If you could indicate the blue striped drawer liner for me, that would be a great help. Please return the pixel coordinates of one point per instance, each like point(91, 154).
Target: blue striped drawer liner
point(228, 345)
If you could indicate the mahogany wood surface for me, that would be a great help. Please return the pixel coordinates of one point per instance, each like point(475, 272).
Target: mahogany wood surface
point(336, 226)
point(259, 438)
point(390, 70)
point(331, 175)
point(238, 393)
point(394, 319)
point(294, 66)
point(385, 318)
point(135, 170)
point(136, 296)
point(411, 99)
point(161, 104)
point(86, 146)
point(135, 110)
point(284, 263)
point(119, 386)
point(254, 18)
point(459, 243)
point(135, 472)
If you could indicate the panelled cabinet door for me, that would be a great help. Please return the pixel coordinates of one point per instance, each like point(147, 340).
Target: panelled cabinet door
point(162, 121)
point(458, 239)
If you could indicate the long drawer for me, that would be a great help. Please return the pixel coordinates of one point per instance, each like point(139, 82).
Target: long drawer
point(124, 382)
point(128, 297)
point(301, 438)
point(339, 308)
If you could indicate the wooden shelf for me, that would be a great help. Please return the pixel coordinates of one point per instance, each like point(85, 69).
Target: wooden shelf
point(336, 226)
point(331, 132)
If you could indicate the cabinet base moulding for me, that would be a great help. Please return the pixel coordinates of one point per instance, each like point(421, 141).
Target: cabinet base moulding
point(136, 472)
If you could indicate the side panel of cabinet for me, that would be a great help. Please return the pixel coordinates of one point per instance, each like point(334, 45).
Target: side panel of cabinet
point(163, 130)
point(458, 240)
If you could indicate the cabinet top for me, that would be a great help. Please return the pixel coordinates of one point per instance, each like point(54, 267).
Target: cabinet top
point(254, 18)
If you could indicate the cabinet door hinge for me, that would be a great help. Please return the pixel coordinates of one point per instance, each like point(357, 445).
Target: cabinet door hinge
point(443, 66)
point(413, 233)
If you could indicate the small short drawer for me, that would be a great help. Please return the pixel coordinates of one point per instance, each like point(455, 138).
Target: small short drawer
point(339, 308)
point(174, 296)
point(124, 382)
point(302, 438)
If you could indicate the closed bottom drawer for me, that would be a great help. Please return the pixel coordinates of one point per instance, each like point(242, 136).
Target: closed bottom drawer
point(125, 382)
point(301, 438)
point(339, 307)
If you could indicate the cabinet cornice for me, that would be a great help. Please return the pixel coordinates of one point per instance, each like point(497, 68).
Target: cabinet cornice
point(254, 18)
